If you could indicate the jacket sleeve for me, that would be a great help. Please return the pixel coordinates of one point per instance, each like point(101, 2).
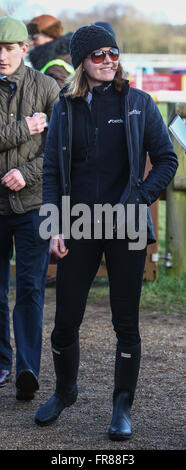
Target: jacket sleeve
point(51, 173)
point(52, 96)
point(161, 152)
point(14, 134)
point(32, 169)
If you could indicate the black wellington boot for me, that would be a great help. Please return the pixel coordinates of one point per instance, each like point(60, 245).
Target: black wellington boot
point(66, 364)
point(126, 375)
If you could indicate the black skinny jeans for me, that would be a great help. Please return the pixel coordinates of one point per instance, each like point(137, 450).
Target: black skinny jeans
point(75, 274)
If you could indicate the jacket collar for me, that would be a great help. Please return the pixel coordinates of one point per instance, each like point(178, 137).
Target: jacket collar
point(18, 75)
point(102, 89)
point(108, 87)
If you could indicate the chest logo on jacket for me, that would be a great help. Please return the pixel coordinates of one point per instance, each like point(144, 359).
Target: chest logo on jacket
point(115, 121)
point(134, 111)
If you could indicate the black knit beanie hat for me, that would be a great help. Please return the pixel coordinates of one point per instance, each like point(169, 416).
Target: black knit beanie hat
point(86, 40)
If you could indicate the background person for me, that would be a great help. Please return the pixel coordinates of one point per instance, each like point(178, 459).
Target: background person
point(23, 92)
point(50, 53)
point(98, 139)
point(107, 26)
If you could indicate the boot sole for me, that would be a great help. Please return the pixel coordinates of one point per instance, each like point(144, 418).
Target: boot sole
point(54, 418)
point(48, 422)
point(119, 436)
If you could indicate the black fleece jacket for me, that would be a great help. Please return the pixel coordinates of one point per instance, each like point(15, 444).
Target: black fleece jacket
point(100, 166)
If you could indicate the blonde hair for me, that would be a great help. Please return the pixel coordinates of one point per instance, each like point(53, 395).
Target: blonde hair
point(77, 85)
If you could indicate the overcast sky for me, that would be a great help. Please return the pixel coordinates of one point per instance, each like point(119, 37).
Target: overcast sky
point(164, 10)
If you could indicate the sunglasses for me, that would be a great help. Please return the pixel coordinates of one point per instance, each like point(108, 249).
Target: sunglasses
point(98, 57)
point(33, 37)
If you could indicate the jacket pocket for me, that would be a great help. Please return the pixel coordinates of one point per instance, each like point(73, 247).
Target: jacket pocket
point(136, 198)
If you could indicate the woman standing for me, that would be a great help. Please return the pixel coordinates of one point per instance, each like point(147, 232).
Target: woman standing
point(96, 149)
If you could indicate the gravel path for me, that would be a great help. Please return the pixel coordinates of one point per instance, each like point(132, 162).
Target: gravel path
point(158, 409)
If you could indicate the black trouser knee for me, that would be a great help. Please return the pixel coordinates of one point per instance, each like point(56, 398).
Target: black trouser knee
point(74, 278)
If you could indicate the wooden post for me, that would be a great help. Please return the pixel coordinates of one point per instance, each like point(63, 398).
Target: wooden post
point(176, 206)
point(151, 267)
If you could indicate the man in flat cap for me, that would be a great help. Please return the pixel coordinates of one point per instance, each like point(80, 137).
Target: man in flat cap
point(26, 97)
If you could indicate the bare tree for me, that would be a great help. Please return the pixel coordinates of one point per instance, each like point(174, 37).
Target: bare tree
point(135, 31)
point(10, 6)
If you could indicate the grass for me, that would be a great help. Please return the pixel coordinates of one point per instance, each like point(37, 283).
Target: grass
point(167, 294)
point(164, 295)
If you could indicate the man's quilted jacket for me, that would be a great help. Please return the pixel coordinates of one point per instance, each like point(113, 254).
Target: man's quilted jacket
point(22, 94)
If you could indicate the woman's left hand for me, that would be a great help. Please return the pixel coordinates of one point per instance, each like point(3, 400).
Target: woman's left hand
point(57, 246)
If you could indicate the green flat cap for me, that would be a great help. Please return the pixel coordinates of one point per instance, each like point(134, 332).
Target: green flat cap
point(12, 30)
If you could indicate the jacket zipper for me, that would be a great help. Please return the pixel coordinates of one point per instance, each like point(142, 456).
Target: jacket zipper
point(131, 148)
point(11, 93)
point(96, 140)
point(97, 150)
point(69, 112)
point(98, 176)
point(130, 160)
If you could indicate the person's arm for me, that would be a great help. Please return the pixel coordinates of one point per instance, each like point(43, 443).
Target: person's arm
point(51, 181)
point(14, 178)
point(161, 152)
point(32, 169)
point(14, 134)
point(51, 173)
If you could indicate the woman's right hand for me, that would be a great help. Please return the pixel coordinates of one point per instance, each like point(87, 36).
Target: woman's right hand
point(57, 246)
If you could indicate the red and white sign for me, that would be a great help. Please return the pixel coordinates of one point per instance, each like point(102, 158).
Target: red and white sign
point(158, 81)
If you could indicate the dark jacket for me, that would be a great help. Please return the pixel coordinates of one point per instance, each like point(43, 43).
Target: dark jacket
point(39, 56)
point(33, 93)
point(100, 168)
point(145, 131)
